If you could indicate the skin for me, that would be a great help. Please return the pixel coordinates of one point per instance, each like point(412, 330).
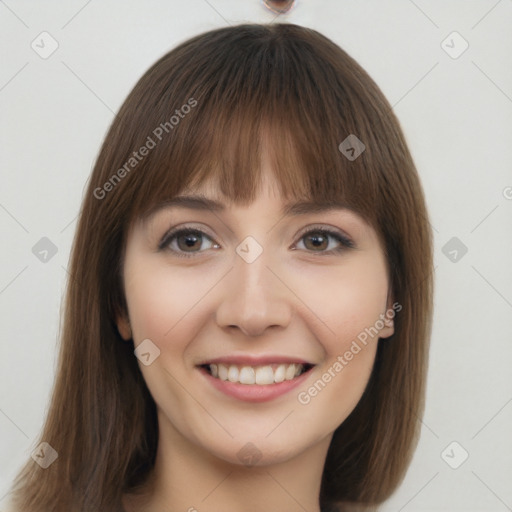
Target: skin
point(301, 303)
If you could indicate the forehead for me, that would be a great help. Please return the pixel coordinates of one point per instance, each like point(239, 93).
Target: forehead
point(206, 191)
point(208, 196)
point(267, 184)
point(268, 189)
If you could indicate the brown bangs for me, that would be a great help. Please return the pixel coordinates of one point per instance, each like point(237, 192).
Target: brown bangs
point(270, 94)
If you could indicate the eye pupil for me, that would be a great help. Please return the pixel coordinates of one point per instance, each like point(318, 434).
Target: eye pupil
point(318, 240)
point(190, 240)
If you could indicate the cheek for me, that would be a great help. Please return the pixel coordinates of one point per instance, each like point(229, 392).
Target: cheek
point(165, 303)
point(149, 299)
point(151, 305)
point(347, 300)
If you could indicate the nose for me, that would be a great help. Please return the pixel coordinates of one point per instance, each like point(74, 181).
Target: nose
point(254, 297)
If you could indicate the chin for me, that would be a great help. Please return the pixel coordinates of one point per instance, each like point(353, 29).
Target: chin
point(262, 451)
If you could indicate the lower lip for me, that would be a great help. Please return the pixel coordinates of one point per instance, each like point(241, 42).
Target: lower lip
point(255, 392)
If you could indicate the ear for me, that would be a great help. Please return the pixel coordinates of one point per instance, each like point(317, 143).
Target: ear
point(123, 326)
point(388, 319)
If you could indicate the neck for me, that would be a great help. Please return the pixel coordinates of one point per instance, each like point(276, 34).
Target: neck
point(188, 478)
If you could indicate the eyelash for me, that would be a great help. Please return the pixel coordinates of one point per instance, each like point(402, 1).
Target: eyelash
point(345, 242)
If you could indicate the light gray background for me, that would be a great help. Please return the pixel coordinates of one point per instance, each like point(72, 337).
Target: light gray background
point(457, 117)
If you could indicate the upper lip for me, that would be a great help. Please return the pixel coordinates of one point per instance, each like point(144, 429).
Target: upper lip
point(250, 360)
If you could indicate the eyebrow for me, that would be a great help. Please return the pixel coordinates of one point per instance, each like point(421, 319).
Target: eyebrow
point(200, 202)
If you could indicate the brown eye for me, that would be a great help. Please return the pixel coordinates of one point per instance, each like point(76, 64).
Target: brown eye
point(324, 241)
point(317, 240)
point(186, 242)
point(189, 241)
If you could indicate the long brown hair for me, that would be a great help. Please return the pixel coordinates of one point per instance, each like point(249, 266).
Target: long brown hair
point(202, 111)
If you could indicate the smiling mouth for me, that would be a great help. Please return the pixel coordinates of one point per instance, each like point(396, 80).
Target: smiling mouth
point(263, 375)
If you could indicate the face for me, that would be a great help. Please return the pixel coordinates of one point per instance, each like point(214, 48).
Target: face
point(255, 326)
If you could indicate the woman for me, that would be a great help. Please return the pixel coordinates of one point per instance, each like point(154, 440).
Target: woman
point(249, 310)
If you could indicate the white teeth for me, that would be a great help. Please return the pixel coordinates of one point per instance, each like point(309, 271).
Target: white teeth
point(247, 375)
point(261, 375)
point(223, 372)
point(280, 373)
point(264, 375)
point(290, 372)
point(233, 374)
